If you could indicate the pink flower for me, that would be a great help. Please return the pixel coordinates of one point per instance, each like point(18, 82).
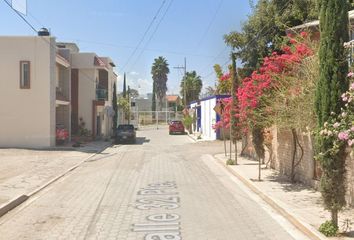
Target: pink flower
point(225, 77)
point(352, 129)
point(304, 34)
point(350, 74)
point(343, 136)
point(352, 86)
point(293, 41)
point(350, 142)
point(344, 97)
point(336, 124)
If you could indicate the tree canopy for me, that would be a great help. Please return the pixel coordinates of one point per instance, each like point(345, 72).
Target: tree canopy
point(192, 84)
point(263, 32)
point(159, 72)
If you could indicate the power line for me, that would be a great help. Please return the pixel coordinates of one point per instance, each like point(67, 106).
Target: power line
point(145, 33)
point(216, 57)
point(146, 49)
point(152, 35)
point(29, 14)
point(255, 38)
point(46, 40)
point(223, 65)
point(22, 17)
point(210, 23)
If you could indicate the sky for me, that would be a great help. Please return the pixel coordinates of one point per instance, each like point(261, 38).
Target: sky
point(135, 32)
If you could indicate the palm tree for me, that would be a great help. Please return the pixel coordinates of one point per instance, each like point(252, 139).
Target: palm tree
point(193, 86)
point(159, 71)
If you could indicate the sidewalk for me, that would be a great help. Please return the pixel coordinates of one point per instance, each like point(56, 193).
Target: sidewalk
point(196, 136)
point(24, 172)
point(300, 204)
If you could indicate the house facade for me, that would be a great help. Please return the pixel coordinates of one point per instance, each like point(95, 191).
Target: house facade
point(206, 117)
point(92, 93)
point(48, 86)
point(35, 87)
point(173, 101)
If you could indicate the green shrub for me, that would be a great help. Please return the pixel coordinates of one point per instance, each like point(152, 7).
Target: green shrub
point(230, 162)
point(329, 229)
point(187, 122)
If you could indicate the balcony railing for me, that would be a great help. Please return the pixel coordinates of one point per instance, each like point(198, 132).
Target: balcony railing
point(60, 94)
point(101, 94)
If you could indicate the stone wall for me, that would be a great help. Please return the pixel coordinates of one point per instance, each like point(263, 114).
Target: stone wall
point(307, 171)
point(283, 147)
point(350, 179)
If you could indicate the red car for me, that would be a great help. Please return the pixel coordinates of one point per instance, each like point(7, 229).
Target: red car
point(176, 127)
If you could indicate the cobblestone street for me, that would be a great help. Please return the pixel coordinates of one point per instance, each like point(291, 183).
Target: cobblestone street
point(163, 187)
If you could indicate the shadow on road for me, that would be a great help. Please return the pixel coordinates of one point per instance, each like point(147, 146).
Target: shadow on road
point(141, 140)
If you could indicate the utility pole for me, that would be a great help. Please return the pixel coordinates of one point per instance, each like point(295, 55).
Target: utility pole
point(233, 119)
point(184, 81)
point(130, 105)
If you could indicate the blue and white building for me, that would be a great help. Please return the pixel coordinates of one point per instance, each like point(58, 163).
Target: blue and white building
point(206, 116)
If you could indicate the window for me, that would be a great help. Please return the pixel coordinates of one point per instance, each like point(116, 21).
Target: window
point(25, 74)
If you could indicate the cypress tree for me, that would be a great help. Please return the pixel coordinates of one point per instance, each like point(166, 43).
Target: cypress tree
point(234, 88)
point(332, 83)
point(115, 109)
point(124, 87)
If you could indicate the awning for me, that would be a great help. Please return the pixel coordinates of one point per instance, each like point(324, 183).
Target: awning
point(98, 62)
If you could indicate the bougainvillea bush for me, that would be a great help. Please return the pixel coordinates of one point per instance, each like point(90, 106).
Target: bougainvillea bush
point(224, 80)
point(258, 91)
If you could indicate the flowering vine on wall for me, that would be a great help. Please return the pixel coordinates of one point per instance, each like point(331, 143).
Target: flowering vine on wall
point(256, 90)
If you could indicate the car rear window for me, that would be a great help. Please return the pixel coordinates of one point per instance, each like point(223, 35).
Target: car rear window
point(125, 127)
point(176, 122)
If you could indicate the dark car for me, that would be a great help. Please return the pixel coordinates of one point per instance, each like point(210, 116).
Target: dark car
point(176, 127)
point(125, 133)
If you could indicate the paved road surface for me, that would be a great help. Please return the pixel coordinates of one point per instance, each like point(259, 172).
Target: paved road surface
point(163, 187)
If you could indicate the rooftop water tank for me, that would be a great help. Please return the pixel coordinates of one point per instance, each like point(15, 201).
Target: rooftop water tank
point(43, 32)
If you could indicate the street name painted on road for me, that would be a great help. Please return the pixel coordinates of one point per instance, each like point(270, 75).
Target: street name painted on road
point(160, 226)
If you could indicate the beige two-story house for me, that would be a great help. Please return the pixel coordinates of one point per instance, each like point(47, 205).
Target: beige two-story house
point(35, 96)
point(92, 79)
point(46, 86)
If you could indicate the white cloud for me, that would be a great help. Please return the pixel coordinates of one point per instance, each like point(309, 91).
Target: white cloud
point(133, 73)
point(173, 90)
point(119, 83)
point(143, 85)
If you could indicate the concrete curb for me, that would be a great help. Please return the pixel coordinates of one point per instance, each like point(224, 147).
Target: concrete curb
point(194, 140)
point(282, 209)
point(6, 207)
point(15, 202)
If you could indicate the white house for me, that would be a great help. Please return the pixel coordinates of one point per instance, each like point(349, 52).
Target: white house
point(206, 116)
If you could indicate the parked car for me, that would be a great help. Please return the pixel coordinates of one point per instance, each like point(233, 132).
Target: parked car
point(125, 133)
point(61, 134)
point(176, 127)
